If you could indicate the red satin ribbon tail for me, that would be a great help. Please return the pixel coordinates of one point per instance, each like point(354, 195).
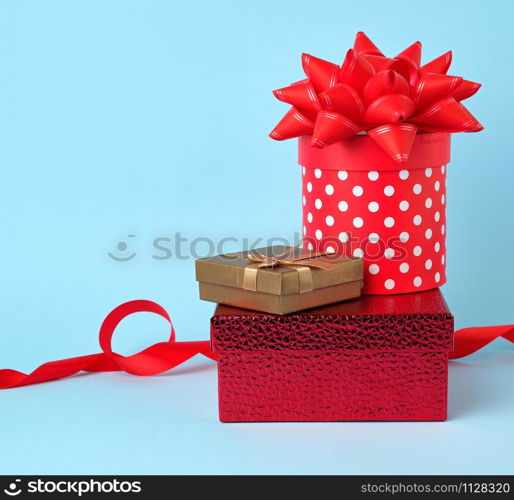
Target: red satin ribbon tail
point(55, 370)
point(162, 357)
point(155, 359)
point(469, 340)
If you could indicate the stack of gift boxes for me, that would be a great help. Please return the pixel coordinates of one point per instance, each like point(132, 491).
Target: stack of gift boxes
point(352, 326)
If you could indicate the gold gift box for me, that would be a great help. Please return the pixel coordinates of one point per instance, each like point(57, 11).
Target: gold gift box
point(279, 279)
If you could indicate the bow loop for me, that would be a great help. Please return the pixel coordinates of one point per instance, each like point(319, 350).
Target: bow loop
point(344, 100)
point(439, 65)
point(392, 108)
point(331, 128)
point(363, 45)
point(323, 74)
point(355, 71)
point(383, 83)
point(433, 87)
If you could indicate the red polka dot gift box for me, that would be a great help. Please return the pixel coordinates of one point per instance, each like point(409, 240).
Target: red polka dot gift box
point(357, 201)
point(374, 144)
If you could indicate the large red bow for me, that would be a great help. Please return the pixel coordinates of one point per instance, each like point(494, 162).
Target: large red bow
point(391, 99)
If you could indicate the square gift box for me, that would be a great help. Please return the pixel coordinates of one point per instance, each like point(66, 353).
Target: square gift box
point(382, 358)
point(279, 279)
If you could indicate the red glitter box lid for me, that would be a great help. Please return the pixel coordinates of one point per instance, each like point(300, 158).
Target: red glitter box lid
point(408, 321)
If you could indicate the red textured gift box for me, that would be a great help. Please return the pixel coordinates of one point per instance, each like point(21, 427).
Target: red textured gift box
point(382, 358)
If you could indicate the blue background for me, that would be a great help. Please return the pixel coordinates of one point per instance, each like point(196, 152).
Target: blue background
point(150, 118)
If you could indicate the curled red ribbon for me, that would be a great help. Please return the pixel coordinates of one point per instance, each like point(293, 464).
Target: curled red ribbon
point(392, 99)
point(155, 359)
point(164, 356)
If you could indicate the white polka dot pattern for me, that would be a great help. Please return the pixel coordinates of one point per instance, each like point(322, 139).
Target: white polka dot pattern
point(395, 220)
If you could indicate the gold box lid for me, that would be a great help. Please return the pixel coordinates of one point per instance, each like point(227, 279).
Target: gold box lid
point(229, 269)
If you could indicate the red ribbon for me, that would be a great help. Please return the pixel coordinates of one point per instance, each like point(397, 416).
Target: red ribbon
point(157, 358)
point(470, 340)
point(164, 356)
point(392, 99)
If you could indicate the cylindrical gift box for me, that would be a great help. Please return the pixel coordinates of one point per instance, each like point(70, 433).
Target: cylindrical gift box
point(358, 201)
